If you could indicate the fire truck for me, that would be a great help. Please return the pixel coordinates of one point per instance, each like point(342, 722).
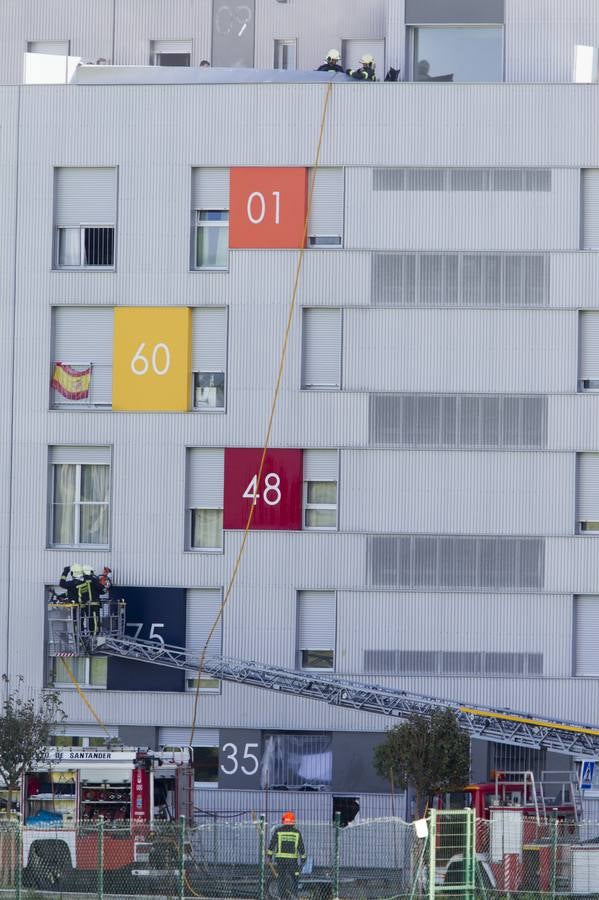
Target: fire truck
point(73, 788)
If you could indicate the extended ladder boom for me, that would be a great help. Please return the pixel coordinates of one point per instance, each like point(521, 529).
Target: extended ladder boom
point(480, 722)
point(73, 631)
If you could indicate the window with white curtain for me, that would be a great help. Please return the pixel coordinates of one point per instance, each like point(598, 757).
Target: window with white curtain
point(210, 219)
point(205, 490)
point(80, 499)
point(297, 761)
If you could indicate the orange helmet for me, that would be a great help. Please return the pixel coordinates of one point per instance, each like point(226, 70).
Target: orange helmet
point(288, 818)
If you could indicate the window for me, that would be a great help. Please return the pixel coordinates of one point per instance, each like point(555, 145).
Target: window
point(212, 239)
point(316, 629)
point(210, 219)
point(297, 761)
point(84, 218)
point(586, 635)
point(321, 348)
point(457, 53)
point(588, 350)
point(203, 607)
point(205, 751)
point(209, 358)
point(233, 33)
point(90, 671)
point(589, 190)
point(170, 53)
point(325, 225)
point(80, 496)
point(205, 489)
point(285, 54)
point(321, 468)
point(73, 735)
point(587, 495)
point(82, 341)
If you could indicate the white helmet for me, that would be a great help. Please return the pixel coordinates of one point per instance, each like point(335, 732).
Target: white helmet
point(367, 60)
point(77, 570)
point(334, 55)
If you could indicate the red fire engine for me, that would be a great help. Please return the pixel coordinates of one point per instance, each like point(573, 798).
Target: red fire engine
point(127, 788)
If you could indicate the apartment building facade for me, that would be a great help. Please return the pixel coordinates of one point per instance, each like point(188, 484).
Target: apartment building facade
point(429, 504)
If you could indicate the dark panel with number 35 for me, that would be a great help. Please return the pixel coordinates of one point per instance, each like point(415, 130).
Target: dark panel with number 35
point(278, 496)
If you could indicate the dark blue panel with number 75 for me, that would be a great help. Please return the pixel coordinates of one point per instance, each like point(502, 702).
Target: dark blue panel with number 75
point(152, 614)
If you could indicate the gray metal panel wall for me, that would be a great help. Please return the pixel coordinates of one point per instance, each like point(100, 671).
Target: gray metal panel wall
point(209, 188)
point(457, 12)
point(589, 200)
point(203, 606)
point(316, 620)
point(459, 220)
point(455, 492)
point(588, 356)
point(539, 623)
point(84, 196)
point(209, 339)
point(586, 635)
point(587, 487)
point(501, 125)
point(137, 22)
point(205, 475)
point(316, 26)
point(465, 350)
point(9, 111)
point(540, 36)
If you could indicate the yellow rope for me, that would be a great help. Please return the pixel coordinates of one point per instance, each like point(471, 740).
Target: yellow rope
point(273, 407)
point(79, 690)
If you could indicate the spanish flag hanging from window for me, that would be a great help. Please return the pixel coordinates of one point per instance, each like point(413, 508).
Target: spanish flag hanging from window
point(71, 383)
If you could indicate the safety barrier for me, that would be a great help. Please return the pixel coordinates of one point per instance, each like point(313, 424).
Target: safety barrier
point(450, 854)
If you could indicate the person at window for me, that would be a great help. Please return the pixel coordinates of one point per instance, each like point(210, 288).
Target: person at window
point(287, 850)
point(332, 63)
point(366, 70)
point(422, 73)
point(204, 64)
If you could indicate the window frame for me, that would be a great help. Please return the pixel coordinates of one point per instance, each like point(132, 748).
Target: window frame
point(195, 387)
point(307, 505)
point(280, 45)
point(197, 549)
point(84, 682)
point(82, 266)
point(306, 668)
point(78, 504)
point(411, 42)
point(199, 224)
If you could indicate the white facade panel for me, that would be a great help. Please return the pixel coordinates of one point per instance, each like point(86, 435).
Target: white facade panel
point(529, 623)
point(540, 37)
point(458, 350)
point(440, 492)
point(463, 219)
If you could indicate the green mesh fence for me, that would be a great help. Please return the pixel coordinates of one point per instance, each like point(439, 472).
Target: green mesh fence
point(505, 857)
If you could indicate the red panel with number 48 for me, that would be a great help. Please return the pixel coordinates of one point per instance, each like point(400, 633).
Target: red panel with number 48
point(278, 496)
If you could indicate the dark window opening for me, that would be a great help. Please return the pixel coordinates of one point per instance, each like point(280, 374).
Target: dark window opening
point(99, 246)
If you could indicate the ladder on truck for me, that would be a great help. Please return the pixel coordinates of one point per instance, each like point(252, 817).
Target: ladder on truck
point(70, 634)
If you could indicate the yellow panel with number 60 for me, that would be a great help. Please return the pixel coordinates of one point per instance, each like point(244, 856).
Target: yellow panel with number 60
point(152, 358)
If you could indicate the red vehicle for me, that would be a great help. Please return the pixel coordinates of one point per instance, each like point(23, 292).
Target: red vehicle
point(75, 787)
point(549, 797)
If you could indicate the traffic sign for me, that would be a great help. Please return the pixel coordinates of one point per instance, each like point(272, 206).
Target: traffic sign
point(587, 768)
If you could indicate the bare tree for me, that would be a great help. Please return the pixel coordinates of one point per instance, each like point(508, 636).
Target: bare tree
point(26, 725)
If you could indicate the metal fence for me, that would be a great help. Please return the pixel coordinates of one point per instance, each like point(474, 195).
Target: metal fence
point(505, 857)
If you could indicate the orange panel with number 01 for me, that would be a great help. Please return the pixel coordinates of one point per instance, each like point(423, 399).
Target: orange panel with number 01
point(268, 208)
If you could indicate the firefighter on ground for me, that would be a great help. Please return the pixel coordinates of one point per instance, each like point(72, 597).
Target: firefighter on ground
point(366, 70)
point(287, 851)
point(332, 63)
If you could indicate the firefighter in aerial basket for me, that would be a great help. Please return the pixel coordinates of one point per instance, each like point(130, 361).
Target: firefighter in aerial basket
point(287, 852)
